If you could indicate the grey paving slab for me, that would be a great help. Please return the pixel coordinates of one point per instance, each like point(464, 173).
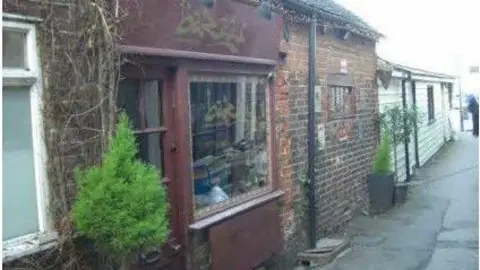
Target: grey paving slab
point(454, 259)
point(463, 234)
point(436, 229)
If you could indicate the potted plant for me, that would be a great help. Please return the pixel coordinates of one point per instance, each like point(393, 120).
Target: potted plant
point(380, 182)
point(399, 124)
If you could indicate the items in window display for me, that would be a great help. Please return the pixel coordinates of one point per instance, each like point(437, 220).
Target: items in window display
point(239, 169)
point(229, 138)
point(261, 167)
point(220, 112)
point(217, 195)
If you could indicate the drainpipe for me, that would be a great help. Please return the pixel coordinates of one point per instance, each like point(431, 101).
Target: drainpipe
point(415, 126)
point(405, 140)
point(459, 72)
point(311, 133)
point(462, 128)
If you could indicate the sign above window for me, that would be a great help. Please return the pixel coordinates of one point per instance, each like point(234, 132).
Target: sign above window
point(229, 27)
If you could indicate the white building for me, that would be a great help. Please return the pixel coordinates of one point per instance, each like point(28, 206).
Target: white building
point(432, 94)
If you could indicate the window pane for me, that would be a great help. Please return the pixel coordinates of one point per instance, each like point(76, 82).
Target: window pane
point(150, 149)
point(149, 144)
point(229, 138)
point(152, 104)
point(19, 191)
point(127, 100)
point(14, 49)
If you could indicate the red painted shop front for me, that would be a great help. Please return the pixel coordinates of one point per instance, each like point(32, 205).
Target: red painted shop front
point(198, 87)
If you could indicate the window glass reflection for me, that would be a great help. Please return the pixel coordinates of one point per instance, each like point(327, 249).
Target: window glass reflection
point(229, 138)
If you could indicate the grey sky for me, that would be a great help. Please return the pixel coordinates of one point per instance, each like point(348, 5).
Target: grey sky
point(429, 34)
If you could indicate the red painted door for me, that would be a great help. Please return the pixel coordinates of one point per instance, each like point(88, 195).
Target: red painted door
point(148, 105)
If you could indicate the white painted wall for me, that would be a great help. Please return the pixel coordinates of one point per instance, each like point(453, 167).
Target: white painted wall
point(389, 98)
point(431, 136)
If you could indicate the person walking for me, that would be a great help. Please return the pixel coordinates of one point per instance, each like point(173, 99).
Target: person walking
point(473, 108)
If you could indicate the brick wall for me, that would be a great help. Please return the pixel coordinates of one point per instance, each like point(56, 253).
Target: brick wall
point(341, 166)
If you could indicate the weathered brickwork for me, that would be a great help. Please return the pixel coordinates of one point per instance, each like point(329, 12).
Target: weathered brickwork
point(342, 166)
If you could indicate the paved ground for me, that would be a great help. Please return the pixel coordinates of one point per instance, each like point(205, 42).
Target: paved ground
point(436, 229)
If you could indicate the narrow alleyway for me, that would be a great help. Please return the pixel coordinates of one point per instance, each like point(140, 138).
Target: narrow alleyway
point(436, 229)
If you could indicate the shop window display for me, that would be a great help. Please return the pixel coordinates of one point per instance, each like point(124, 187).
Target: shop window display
point(229, 120)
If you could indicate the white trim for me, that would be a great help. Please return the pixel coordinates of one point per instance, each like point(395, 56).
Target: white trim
point(431, 79)
point(28, 244)
point(30, 51)
point(425, 78)
point(39, 147)
point(17, 17)
point(25, 245)
point(398, 74)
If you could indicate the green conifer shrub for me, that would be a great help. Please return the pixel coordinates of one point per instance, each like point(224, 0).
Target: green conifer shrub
point(121, 204)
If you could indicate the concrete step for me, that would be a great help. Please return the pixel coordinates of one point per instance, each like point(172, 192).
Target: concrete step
point(326, 250)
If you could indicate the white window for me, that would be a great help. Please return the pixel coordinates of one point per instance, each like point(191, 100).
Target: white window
point(26, 226)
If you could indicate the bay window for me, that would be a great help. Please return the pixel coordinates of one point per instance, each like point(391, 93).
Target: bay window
point(229, 117)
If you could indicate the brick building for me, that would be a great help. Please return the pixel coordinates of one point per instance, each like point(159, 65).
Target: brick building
point(220, 102)
point(345, 129)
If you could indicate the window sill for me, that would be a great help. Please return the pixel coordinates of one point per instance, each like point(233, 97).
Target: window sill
point(209, 221)
point(27, 245)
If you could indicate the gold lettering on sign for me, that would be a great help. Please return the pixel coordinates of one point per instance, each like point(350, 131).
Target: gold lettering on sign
point(201, 25)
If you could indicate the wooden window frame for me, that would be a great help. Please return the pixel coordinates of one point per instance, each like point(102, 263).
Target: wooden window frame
point(347, 84)
point(176, 76)
point(178, 241)
point(142, 96)
point(211, 211)
point(142, 129)
point(343, 94)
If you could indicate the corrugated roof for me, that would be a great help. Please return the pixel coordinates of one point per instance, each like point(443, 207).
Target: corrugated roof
point(384, 65)
point(422, 72)
point(337, 13)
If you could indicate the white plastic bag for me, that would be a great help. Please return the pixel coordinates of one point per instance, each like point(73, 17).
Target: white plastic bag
point(217, 195)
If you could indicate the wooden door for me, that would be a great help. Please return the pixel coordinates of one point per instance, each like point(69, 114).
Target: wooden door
point(146, 102)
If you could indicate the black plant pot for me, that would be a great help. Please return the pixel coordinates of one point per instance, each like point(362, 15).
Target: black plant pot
point(380, 190)
point(400, 193)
